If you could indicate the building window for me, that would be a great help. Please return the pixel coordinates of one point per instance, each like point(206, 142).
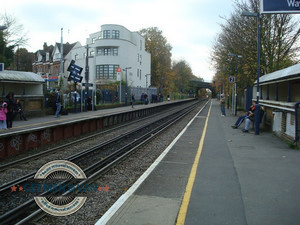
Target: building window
point(92, 53)
point(115, 51)
point(93, 40)
point(106, 34)
point(76, 57)
point(115, 34)
point(107, 51)
point(106, 72)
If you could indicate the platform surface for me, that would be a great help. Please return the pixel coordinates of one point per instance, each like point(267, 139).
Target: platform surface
point(240, 178)
point(47, 120)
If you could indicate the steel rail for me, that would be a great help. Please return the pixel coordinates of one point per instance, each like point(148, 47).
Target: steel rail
point(97, 168)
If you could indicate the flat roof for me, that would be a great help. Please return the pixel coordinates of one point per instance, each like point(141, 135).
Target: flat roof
point(20, 76)
point(286, 73)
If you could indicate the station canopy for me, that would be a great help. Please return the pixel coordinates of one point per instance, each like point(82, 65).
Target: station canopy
point(20, 76)
point(290, 72)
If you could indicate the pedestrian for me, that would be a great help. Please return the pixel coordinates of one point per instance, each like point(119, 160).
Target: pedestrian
point(146, 100)
point(10, 116)
point(241, 119)
point(58, 102)
point(251, 118)
point(132, 100)
point(222, 105)
point(3, 112)
point(142, 98)
point(89, 103)
point(19, 110)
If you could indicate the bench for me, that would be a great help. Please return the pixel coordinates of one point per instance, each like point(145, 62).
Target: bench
point(262, 115)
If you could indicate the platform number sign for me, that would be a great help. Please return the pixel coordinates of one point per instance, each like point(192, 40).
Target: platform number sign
point(231, 79)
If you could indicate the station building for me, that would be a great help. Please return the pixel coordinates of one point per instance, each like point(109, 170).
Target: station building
point(280, 97)
point(27, 86)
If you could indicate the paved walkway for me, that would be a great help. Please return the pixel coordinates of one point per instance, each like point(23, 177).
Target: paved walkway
point(240, 178)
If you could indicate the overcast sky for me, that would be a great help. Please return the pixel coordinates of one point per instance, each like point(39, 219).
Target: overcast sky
point(190, 26)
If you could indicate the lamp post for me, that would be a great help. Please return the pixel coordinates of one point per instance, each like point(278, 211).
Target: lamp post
point(127, 68)
point(228, 87)
point(257, 116)
point(87, 75)
point(235, 91)
point(1, 29)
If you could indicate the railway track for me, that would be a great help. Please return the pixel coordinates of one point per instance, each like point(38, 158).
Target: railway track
point(95, 161)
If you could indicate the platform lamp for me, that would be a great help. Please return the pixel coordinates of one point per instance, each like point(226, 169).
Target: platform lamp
point(127, 68)
point(3, 93)
point(257, 116)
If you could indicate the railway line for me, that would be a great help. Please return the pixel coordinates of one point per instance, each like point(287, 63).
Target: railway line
point(94, 161)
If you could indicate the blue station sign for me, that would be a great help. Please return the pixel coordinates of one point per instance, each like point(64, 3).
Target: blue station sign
point(280, 6)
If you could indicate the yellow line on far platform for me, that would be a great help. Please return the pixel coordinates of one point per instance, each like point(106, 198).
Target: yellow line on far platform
point(189, 187)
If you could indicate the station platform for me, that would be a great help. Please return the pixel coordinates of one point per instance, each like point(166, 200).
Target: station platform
point(50, 120)
point(40, 131)
point(212, 174)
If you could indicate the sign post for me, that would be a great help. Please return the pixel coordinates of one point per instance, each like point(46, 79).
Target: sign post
point(119, 79)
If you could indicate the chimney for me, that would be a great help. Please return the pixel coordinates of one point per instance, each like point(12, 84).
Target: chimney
point(45, 46)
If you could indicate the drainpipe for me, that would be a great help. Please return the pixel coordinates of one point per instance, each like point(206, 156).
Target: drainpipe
point(297, 129)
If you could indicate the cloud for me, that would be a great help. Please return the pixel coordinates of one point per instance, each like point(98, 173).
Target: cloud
point(190, 26)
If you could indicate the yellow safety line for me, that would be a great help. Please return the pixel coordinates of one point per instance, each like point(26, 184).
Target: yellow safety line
point(190, 184)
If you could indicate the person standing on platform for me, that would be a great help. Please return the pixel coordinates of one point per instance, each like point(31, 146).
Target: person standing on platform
point(146, 100)
point(132, 100)
point(10, 116)
point(57, 102)
point(19, 110)
point(3, 112)
point(222, 105)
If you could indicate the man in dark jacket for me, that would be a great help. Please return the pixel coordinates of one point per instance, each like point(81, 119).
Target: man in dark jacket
point(10, 116)
point(57, 102)
point(249, 114)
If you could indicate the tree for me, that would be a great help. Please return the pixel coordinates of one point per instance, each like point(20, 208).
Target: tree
point(161, 54)
point(184, 75)
point(10, 38)
point(279, 36)
point(23, 60)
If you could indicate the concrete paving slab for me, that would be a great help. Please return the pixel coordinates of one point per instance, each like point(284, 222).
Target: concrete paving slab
point(147, 210)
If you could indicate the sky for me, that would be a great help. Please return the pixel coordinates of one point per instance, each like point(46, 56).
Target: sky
point(190, 26)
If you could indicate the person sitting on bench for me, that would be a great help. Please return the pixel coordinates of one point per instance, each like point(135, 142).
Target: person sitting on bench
point(241, 119)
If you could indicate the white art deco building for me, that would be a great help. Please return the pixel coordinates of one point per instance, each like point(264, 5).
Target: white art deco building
point(112, 47)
